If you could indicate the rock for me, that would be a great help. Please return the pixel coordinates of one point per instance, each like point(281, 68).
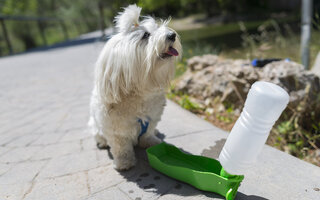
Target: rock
point(200, 62)
point(221, 108)
point(209, 77)
point(209, 111)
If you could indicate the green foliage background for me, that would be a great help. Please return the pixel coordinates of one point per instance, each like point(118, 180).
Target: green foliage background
point(81, 16)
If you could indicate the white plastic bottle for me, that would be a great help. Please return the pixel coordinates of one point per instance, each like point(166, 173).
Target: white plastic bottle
point(264, 105)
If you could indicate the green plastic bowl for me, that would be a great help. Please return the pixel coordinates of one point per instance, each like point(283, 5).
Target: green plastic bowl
point(198, 171)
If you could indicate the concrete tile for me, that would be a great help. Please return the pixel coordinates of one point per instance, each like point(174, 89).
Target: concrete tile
point(50, 124)
point(206, 142)
point(104, 177)
point(185, 191)
point(276, 175)
point(19, 154)
point(4, 167)
point(65, 188)
point(45, 139)
point(109, 194)
point(176, 121)
point(7, 138)
point(75, 135)
point(24, 140)
point(69, 164)
point(88, 144)
point(103, 157)
point(13, 191)
point(76, 123)
point(56, 150)
point(22, 172)
point(4, 150)
point(146, 183)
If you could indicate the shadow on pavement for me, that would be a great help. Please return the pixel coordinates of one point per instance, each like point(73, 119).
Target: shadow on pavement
point(154, 183)
point(240, 196)
point(151, 181)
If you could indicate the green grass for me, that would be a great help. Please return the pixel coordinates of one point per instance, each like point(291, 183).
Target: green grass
point(214, 30)
point(247, 40)
point(276, 47)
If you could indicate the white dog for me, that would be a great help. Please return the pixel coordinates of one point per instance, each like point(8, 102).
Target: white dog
point(131, 76)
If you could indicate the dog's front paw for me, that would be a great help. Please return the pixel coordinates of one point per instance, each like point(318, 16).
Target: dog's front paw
point(101, 142)
point(124, 159)
point(124, 163)
point(149, 140)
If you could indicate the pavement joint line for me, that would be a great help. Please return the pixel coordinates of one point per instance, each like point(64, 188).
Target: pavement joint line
point(57, 142)
point(107, 188)
point(87, 181)
point(5, 173)
point(166, 192)
point(61, 121)
point(45, 145)
point(60, 138)
point(75, 172)
point(42, 159)
point(114, 185)
point(110, 187)
point(12, 139)
point(97, 157)
point(123, 192)
point(19, 135)
point(5, 152)
point(191, 133)
point(25, 161)
point(27, 114)
point(33, 180)
point(81, 145)
point(28, 121)
point(74, 129)
point(28, 144)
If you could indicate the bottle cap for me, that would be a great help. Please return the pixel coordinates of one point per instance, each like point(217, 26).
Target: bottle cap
point(266, 101)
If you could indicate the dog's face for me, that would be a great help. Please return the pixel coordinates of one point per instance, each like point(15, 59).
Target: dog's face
point(140, 56)
point(150, 39)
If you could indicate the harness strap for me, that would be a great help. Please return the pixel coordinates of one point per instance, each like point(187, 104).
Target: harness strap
point(144, 127)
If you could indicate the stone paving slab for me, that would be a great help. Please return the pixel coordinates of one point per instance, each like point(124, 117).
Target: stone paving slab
point(46, 151)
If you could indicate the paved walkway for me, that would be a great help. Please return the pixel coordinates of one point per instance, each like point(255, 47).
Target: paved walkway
point(47, 153)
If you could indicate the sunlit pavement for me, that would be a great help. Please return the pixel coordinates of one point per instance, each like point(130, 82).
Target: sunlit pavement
point(46, 151)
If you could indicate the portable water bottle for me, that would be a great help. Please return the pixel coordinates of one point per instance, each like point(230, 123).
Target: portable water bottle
point(264, 105)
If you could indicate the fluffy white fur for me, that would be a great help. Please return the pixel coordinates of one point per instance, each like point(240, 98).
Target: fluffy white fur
point(131, 76)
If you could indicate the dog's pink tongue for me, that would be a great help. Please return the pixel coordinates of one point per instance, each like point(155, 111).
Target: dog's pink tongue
point(172, 51)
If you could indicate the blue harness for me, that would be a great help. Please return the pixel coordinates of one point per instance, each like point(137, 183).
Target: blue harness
point(144, 127)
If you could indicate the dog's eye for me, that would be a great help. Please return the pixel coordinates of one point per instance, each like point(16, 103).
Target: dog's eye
point(145, 35)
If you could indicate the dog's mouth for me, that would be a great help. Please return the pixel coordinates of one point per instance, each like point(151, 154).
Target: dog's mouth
point(171, 52)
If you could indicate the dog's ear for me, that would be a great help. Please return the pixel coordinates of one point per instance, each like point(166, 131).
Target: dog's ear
point(115, 75)
point(128, 19)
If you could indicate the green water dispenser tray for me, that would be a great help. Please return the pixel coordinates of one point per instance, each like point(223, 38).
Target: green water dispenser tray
point(201, 172)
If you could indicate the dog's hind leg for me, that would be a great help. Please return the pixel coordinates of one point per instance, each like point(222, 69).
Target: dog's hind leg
point(100, 140)
point(150, 139)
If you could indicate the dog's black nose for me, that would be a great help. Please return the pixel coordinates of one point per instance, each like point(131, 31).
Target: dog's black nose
point(171, 36)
